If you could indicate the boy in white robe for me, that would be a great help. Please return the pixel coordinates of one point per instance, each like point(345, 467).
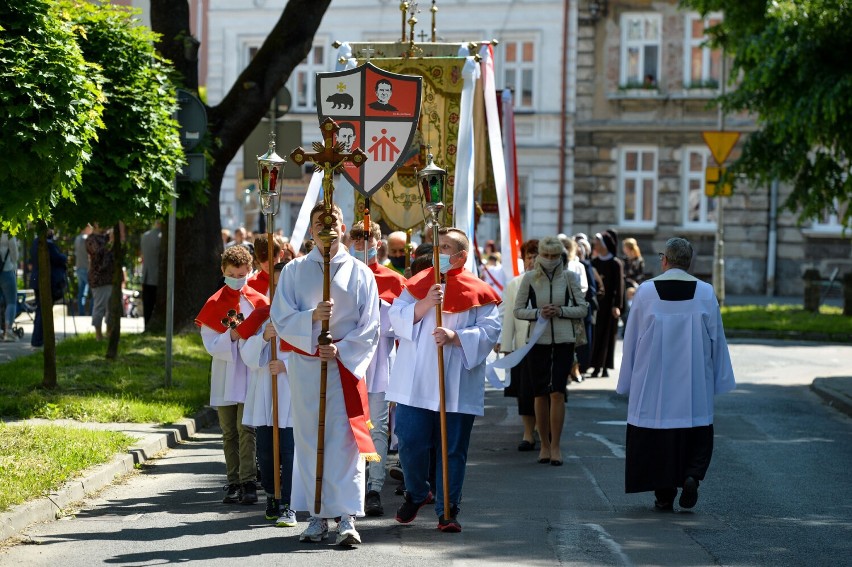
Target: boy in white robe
point(675, 360)
point(255, 350)
point(470, 329)
point(353, 314)
point(219, 319)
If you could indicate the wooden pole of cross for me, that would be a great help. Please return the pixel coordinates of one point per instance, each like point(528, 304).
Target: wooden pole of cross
point(328, 156)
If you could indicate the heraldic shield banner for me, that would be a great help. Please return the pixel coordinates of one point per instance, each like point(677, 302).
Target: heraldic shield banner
point(377, 111)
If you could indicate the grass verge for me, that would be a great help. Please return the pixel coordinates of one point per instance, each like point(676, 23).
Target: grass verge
point(829, 322)
point(26, 473)
point(91, 388)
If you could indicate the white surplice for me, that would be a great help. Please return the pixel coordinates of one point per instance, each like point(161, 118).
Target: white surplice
point(378, 373)
point(228, 372)
point(675, 357)
point(414, 377)
point(257, 411)
point(354, 326)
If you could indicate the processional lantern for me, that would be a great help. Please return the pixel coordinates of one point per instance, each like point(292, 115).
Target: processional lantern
point(432, 181)
point(270, 167)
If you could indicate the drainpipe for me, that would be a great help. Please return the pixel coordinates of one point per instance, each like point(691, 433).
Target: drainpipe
point(563, 115)
point(772, 244)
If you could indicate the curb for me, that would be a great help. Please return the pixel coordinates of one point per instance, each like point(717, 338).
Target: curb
point(839, 399)
point(50, 507)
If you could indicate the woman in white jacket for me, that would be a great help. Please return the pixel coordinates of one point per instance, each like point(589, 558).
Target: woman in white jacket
point(552, 294)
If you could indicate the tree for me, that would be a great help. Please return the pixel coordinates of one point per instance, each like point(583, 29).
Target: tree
point(198, 233)
point(52, 105)
point(129, 178)
point(791, 69)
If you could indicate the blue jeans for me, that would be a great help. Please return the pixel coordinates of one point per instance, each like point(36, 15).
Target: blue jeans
point(83, 291)
point(419, 430)
point(267, 460)
point(9, 291)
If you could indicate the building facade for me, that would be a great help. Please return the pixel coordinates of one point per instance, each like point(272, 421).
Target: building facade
point(611, 99)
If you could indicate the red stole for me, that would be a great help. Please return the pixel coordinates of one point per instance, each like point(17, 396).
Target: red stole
point(253, 322)
point(216, 308)
point(357, 406)
point(389, 282)
point(259, 282)
point(464, 290)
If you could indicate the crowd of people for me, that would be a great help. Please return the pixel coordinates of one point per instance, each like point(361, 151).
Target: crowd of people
point(358, 371)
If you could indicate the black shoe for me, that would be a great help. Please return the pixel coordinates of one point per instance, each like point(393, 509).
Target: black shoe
point(665, 499)
point(605, 373)
point(689, 494)
point(249, 493)
point(273, 508)
point(400, 490)
point(526, 446)
point(395, 472)
point(408, 511)
point(233, 493)
point(373, 504)
point(450, 525)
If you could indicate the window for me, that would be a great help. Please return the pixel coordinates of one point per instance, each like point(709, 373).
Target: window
point(699, 211)
point(519, 71)
point(640, 50)
point(302, 83)
point(702, 68)
point(829, 222)
point(638, 186)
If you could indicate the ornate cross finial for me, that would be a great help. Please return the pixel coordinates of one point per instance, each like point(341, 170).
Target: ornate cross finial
point(366, 53)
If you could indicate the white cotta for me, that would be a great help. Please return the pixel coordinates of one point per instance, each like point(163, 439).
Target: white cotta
point(257, 411)
point(228, 372)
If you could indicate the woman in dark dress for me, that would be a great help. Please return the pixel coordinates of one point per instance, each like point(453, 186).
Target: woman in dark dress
point(610, 303)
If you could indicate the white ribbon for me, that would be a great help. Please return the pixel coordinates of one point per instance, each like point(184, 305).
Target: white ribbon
point(464, 177)
point(301, 226)
point(513, 358)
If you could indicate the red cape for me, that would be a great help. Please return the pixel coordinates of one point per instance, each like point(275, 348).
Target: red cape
point(389, 282)
point(464, 290)
point(253, 322)
point(355, 400)
point(216, 308)
point(259, 282)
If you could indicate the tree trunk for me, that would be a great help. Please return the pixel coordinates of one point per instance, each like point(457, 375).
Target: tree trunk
point(198, 242)
point(116, 300)
point(46, 307)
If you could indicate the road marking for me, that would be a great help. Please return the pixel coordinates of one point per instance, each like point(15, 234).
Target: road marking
point(610, 543)
point(615, 449)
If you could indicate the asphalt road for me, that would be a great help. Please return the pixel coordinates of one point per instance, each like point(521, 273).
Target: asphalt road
point(777, 493)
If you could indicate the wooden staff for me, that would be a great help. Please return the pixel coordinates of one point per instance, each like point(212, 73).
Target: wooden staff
point(367, 228)
point(273, 355)
point(445, 467)
point(407, 271)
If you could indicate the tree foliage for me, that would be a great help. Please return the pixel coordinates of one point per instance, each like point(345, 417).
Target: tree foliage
point(52, 104)
point(792, 69)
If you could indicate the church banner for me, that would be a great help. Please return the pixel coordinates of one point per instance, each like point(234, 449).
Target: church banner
point(376, 110)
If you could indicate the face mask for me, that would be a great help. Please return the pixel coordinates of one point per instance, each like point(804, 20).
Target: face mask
point(445, 262)
point(549, 265)
point(371, 254)
point(235, 283)
point(397, 262)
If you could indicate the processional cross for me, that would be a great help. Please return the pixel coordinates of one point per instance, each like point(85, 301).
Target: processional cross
point(329, 157)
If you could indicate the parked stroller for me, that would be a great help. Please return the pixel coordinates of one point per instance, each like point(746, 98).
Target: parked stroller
point(21, 306)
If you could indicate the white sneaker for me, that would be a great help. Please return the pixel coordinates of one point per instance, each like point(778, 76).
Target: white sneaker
point(346, 532)
point(317, 530)
point(287, 519)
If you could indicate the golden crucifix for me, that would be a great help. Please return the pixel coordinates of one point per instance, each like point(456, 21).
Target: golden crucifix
point(328, 156)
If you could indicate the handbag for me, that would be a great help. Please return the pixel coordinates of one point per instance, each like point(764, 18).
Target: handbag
point(579, 325)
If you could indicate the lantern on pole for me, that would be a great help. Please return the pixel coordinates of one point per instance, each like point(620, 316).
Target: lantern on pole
point(270, 167)
point(432, 181)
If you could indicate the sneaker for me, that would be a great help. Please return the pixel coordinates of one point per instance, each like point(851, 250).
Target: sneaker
point(395, 473)
point(249, 493)
point(373, 504)
point(452, 524)
point(346, 532)
point(273, 508)
point(287, 519)
point(408, 511)
point(233, 493)
point(689, 494)
point(317, 530)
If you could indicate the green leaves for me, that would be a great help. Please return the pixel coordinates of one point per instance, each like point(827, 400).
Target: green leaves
point(791, 61)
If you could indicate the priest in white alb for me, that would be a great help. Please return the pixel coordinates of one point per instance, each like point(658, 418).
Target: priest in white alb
point(297, 312)
point(675, 360)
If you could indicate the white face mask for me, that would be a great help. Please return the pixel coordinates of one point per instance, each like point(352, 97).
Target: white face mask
point(445, 262)
point(549, 265)
point(235, 283)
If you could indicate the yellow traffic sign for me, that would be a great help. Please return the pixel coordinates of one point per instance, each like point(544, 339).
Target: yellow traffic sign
point(712, 175)
point(720, 143)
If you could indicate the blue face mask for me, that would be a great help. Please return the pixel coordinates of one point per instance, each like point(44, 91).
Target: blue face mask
point(445, 262)
point(235, 283)
point(371, 254)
